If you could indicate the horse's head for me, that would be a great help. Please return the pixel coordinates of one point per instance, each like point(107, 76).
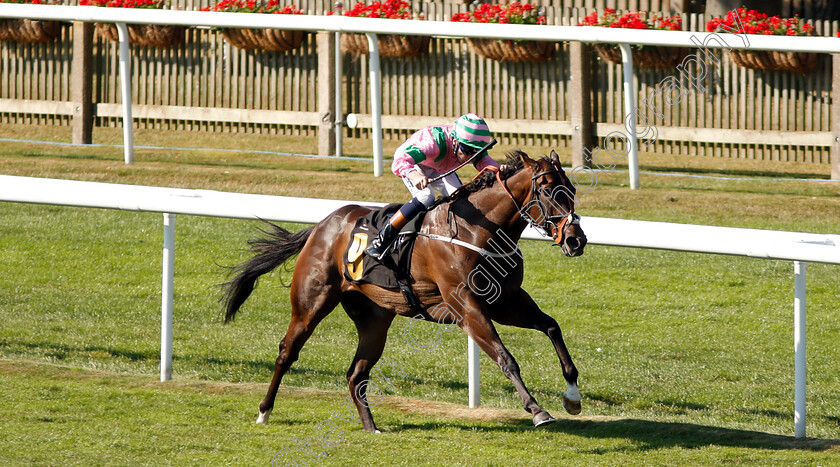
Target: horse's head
point(550, 206)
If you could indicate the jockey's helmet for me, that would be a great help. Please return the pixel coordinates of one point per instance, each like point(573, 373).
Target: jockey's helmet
point(472, 131)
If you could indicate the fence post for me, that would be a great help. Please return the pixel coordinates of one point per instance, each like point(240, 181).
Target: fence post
point(326, 93)
point(81, 83)
point(338, 118)
point(835, 116)
point(583, 140)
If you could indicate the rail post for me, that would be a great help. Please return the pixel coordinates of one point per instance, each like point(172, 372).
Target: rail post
point(630, 115)
point(474, 372)
point(125, 85)
point(375, 102)
point(168, 278)
point(799, 370)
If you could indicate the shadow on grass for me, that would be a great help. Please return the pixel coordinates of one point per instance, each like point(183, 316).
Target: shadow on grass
point(656, 435)
point(648, 435)
point(62, 352)
point(259, 371)
point(768, 413)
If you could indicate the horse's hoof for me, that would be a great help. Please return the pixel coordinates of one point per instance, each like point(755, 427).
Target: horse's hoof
point(573, 407)
point(543, 418)
point(263, 417)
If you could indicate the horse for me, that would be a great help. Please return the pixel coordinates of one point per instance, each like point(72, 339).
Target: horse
point(455, 240)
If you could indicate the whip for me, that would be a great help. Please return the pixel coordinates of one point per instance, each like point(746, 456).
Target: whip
point(483, 150)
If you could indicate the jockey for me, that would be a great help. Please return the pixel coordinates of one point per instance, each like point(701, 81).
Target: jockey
point(428, 153)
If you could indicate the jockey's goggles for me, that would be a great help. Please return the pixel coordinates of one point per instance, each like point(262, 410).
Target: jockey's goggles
point(467, 150)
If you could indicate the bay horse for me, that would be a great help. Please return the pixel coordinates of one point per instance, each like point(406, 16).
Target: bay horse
point(492, 210)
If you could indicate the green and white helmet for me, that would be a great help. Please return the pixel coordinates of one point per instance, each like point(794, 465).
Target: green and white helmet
point(471, 130)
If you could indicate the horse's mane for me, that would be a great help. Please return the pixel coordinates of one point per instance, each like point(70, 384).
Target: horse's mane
point(513, 164)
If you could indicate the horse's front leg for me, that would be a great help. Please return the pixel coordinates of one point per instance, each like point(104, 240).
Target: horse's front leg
point(521, 311)
point(474, 320)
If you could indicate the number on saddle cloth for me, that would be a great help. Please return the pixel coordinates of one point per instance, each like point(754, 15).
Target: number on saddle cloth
point(393, 272)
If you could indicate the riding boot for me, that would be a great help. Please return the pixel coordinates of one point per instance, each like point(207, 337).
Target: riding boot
point(379, 245)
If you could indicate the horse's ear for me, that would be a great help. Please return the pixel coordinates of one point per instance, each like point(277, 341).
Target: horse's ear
point(526, 161)
point(554, 157)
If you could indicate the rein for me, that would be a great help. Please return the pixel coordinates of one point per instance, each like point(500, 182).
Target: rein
point(551, 222)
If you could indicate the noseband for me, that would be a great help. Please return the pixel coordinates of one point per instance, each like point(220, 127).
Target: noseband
point(555, 225)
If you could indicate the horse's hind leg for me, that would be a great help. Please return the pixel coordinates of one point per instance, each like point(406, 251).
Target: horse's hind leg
point(312, 300)
point(523, 312)
point(372, 323)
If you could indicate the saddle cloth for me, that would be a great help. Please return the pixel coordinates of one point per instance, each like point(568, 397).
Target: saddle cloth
point(393, 271)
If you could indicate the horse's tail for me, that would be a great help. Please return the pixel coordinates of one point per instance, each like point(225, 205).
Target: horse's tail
point(278, 246)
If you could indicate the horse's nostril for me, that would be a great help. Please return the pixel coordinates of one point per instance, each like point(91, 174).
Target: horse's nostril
point(573, 243)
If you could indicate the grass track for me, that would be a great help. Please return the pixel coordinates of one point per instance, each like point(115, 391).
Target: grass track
point(683, 357)
point(66, 416)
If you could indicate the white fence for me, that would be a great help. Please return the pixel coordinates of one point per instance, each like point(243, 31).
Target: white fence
point(374, 26)
point(793, 246)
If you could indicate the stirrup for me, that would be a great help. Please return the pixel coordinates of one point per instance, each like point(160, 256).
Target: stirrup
point(380, 244)
point(376, 249)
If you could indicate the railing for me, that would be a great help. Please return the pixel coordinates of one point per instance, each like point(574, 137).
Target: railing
point(627, 135)
point(791, 246)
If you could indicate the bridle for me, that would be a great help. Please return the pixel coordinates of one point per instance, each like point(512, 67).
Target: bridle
point(554, 225)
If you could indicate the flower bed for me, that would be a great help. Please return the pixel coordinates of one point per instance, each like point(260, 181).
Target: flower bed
point(149, 35)
point(26, 30)
point(753, 22)
point(389, 45)
point(273, 40)
point(646, 56)
point(506, 50)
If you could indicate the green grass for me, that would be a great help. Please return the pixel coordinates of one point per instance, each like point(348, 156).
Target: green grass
point(684, 358)
point(57, 415)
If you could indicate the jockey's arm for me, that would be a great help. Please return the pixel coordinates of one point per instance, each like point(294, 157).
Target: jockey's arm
point(404, 166)
point(486, 161)
point(417, 179)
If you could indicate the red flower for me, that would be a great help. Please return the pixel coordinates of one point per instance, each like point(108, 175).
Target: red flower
point(633, 20)
point(752, 22)
point(154, 4)
point(253, 6)
point(509, 13)
point(390, 9)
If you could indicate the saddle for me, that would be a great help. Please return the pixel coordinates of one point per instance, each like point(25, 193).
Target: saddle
point(393, 272)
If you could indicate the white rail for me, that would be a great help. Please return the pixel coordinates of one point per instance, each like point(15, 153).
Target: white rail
point(793, 246)
point(373, 26)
